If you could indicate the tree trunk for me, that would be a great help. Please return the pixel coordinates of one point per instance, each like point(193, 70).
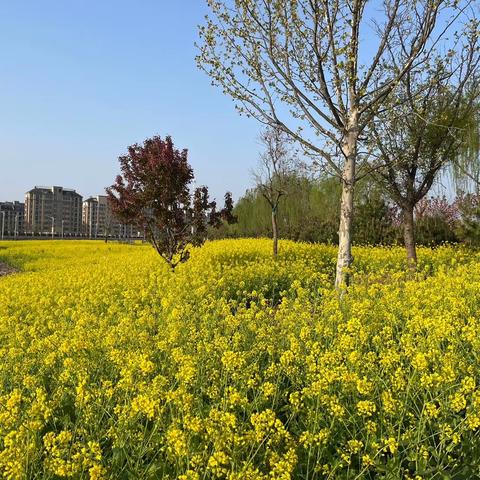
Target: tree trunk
point(345, 258)
point(275, 231)
point(409, 236)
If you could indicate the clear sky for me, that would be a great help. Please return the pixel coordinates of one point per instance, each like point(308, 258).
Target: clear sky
point(80, 80)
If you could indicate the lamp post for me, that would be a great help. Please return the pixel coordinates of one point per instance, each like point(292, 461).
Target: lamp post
point(53, 227)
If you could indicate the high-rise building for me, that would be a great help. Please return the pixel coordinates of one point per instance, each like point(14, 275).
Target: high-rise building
point(54, 210)
point(12, 219)
point(99, 221)
point(97, 218)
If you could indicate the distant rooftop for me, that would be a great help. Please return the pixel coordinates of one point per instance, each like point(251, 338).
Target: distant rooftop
point(11, 202)
point(95, 198)
point(40, 187)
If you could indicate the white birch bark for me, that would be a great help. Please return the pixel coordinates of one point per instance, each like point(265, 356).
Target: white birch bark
point(344, 259)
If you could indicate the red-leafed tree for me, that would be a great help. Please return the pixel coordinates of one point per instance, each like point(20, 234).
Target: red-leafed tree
point(153, 191)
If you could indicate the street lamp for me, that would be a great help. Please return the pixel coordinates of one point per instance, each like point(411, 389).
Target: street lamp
point(53, 227)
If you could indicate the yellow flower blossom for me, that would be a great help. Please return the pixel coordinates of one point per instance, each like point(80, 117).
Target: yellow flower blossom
point(236, 366)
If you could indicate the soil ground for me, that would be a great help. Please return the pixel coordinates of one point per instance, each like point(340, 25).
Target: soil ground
point(6, 269)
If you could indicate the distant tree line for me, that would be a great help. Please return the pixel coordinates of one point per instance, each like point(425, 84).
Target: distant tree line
point(310, 212)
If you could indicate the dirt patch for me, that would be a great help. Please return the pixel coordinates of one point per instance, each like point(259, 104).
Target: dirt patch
point(6, 269)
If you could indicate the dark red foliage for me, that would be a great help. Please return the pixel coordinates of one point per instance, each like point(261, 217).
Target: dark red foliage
point(153, 191)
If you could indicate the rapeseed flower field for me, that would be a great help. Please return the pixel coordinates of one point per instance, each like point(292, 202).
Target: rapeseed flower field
point(238, 366)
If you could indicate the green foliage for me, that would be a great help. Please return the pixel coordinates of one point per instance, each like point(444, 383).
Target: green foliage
point(434, 230)
point(311, 213)
point(373, 220)
point(469, 228)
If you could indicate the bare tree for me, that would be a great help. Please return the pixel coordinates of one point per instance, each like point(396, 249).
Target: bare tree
point(275, 173)
point(303, 67)
point(432, 115)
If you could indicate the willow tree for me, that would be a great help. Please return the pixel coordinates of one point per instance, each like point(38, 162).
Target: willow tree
point(466, 167)
point(304, 66)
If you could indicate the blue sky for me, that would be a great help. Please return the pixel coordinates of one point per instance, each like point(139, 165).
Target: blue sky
point(80, 80)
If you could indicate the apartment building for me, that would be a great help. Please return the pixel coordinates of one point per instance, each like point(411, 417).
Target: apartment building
point(97, 218)
point(12, 219)
point(53, 210)
point(99, 221)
